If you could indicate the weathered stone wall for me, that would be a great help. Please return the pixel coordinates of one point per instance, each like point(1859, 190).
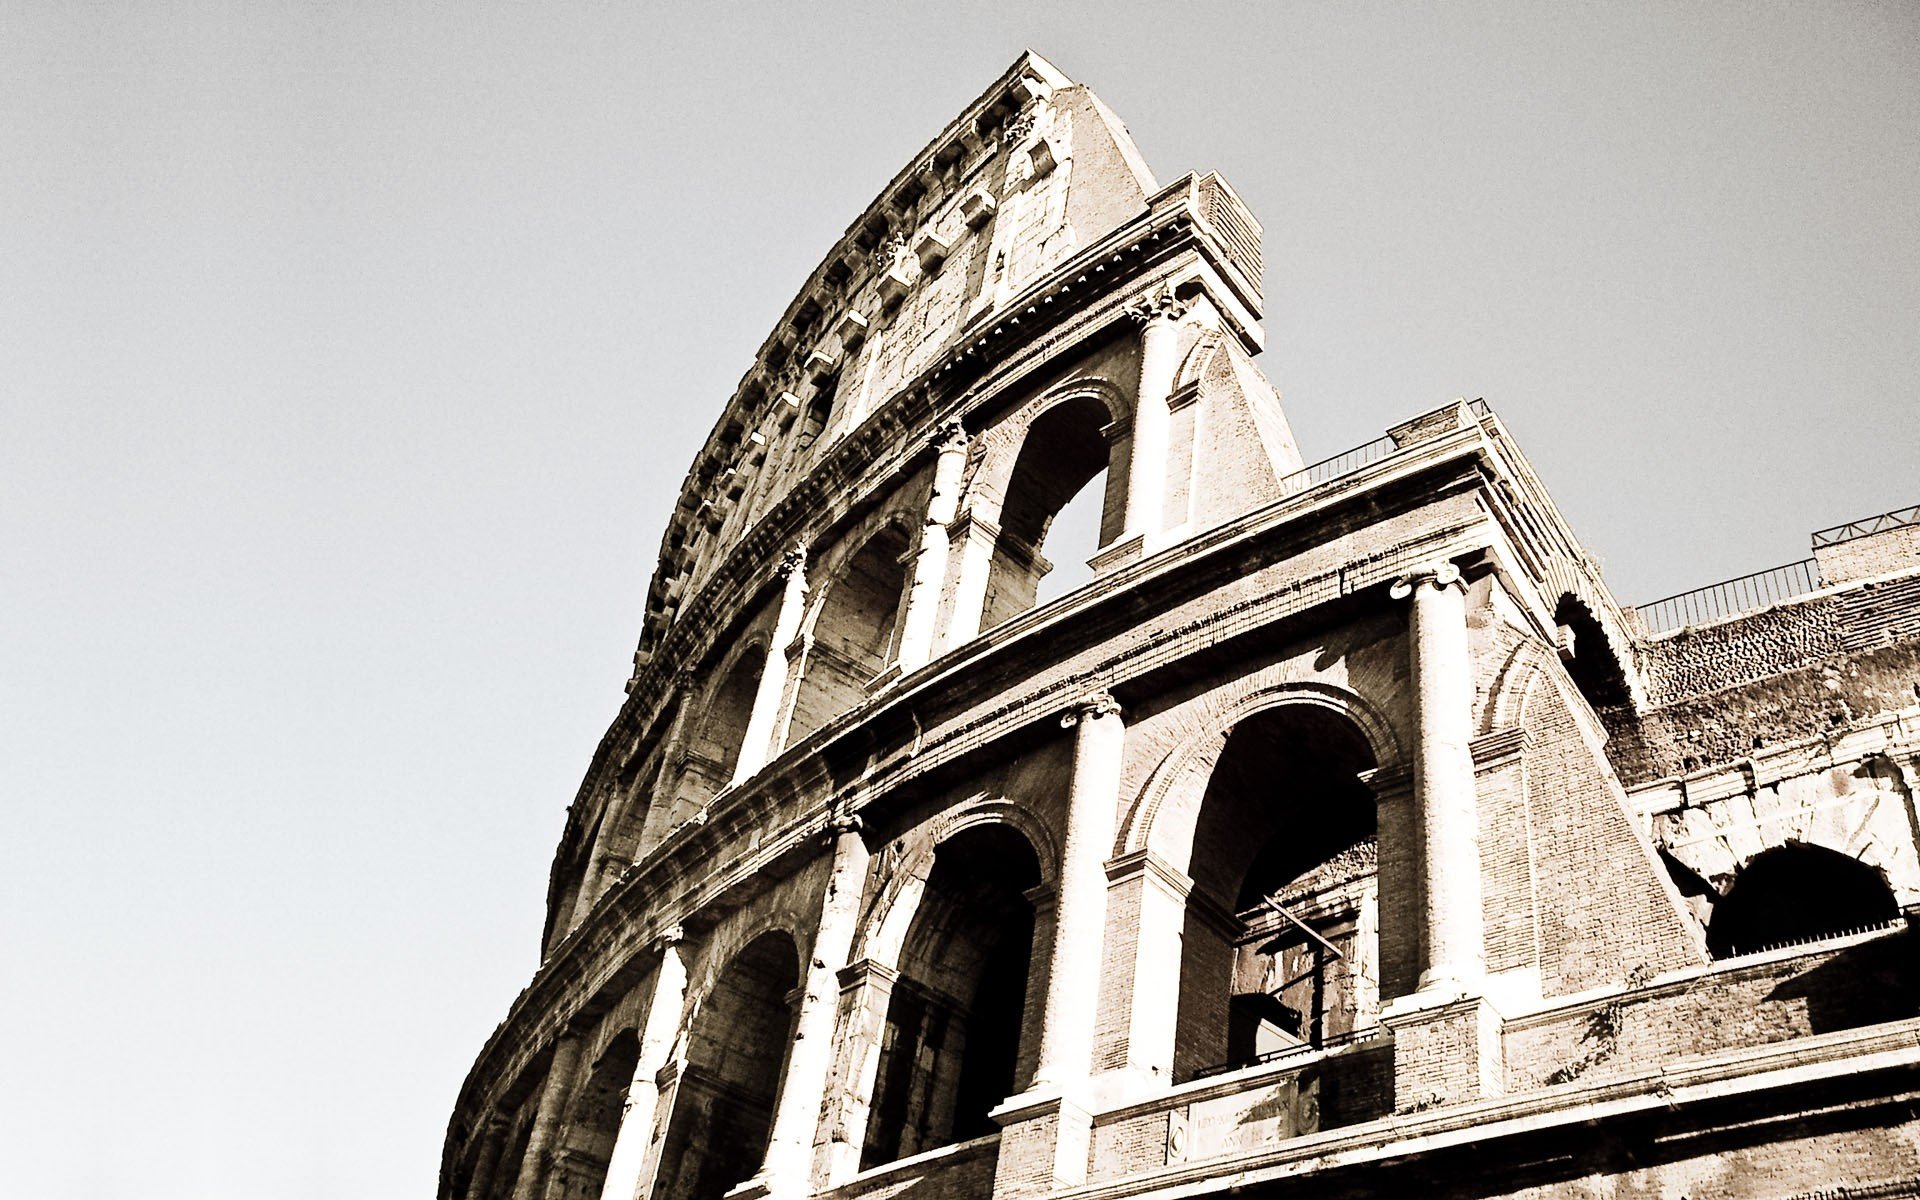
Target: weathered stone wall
point(1883, 553)
point(1788, 995)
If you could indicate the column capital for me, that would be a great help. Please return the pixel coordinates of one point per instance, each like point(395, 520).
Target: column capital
point(1442, 575)
point(668, 938)
point(793, 562)
point(844, 823)
point(1090, 708)
point(948, 436)
point(1158, 305)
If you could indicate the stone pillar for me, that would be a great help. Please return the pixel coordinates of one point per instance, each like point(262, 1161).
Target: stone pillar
point(554, 1097)
point(1147, 912)
point(756, 745)
point(930, 561)
point(627, 1167)
point(796, 1114)
point(1159, 317)
point(974, 538)
point(866, 993)
point(486, 1161)
point(1443, 784)
point(1045, 1131)
point(1079, 925)
point(1446, 1036)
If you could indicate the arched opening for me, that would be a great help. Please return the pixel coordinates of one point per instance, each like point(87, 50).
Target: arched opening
point(1281, 944)
point(714, 747)
point(1798, 893)
point(736, 1051)
point(593, 1122)
point(952, 1044)
point(854, 634)
point(1063, 454)
point(1589, 657)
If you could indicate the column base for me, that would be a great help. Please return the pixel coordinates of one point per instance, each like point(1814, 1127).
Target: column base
point(1446, 1048)
point(1044, 1138)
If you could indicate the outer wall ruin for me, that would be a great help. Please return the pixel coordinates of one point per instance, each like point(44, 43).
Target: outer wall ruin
point(1341, 836)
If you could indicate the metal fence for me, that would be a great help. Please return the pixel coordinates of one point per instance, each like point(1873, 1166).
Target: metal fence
point(1897, 519)
point(1344, 463)
point(1731, 598)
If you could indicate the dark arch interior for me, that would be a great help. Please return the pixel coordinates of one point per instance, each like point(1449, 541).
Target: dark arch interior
point(593, 1121)
point(1795, 893)
point(1278, 950)
point(1594, 666)
point(1064, 450)
point(715, 746)
point(736, 1049)
point(853, 636)
point(952, 1043)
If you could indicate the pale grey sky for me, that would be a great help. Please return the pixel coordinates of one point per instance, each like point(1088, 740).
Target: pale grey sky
point(351, 355)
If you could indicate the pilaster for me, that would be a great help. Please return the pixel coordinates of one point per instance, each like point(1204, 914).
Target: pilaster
point(756, 744)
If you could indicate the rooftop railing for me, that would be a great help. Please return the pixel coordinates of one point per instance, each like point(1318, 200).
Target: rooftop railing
point(1348, 461)
point(1730, 598)
point(1899, 518)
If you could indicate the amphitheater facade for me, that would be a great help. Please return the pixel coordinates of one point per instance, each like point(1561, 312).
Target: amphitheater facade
point(1333, 832)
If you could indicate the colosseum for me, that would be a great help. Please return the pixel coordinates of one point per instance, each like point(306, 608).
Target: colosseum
point(1333, 832)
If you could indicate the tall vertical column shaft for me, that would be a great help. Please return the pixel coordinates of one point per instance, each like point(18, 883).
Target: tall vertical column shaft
point(930, 563)
point(1443, 783)
point(546, 1119)
point(626, 1167)
point(1159, 316)
point(756, 745)
point(796, 1114)
point(1073, 975)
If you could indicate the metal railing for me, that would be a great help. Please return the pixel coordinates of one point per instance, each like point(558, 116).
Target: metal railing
point(1730, 598)
point(1897, 519)
point(1348, 461)
point(1344, 463)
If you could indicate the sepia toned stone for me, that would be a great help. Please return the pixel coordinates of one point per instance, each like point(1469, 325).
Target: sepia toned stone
point(1339, 835)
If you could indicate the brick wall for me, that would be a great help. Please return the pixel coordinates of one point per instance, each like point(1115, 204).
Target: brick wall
point(1772, 1001)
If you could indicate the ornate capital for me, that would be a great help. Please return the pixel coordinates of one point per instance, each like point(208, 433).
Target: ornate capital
point(792, 562)
point(1090, 708)
point(1441, 575)
point(1019, 127)
point(1161, 305)
point(845, 823)
point(669, 937)
point(948, 436)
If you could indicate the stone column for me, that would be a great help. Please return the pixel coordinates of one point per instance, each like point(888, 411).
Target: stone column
point(1159, 317)
point(1443, 784)
point(1073, 979)
point(626, 1168)
point(1046, 1130)
point(486, 1161)
point(796, 1114)
point(554, 1097)
point(866, 992)
point(756, 745)
point(973, 538)
point(930, 562)
point(1147, 899)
